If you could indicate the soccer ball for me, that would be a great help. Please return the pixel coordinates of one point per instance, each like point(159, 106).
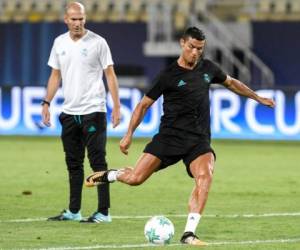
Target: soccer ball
point(159, 230)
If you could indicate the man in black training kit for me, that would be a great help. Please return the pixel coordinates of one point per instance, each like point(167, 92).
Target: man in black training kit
point(184, 132)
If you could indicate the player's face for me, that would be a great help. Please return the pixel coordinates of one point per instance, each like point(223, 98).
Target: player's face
point(192, 49)
point(75, 20)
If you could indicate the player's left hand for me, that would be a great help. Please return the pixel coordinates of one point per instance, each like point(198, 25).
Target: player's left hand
point(125, 144)
point(267, 101)
point(115, 117)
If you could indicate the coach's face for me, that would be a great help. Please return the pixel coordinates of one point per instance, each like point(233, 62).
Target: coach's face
point(192, 49)
point(75, 19)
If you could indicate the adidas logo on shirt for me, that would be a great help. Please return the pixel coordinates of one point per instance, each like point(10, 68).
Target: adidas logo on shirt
point(181, 83)
point(206, 78)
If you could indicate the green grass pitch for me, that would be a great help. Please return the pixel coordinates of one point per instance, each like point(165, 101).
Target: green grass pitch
point(253, 178)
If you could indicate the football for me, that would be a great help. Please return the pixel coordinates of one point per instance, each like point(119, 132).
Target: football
point(159, 230)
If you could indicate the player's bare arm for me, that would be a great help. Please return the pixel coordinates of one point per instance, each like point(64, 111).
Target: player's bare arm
point(241, 89)
point(113, 87)
point(136, 118)
point(53, 85)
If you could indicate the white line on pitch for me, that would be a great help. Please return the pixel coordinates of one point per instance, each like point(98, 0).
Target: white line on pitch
point(120, 217)
point(247, 242)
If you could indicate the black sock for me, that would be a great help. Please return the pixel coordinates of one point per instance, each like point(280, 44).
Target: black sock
point(74, 211)
point(103, 211)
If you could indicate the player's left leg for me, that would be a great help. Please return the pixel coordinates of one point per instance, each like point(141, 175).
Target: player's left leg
point(94, 131)
point(202, 170)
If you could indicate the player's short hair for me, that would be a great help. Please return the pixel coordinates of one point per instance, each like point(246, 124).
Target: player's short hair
point(193, 32)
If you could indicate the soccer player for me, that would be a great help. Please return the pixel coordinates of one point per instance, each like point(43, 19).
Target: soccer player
point(79, 57)
point(184, 132)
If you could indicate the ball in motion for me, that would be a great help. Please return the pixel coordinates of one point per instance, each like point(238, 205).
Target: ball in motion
point(159, 230)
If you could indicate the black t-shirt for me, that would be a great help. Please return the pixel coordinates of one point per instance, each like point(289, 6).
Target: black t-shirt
point(186, 98)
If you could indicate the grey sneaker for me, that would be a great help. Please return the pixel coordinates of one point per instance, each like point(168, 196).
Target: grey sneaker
point(97, 218)
point(66, 215)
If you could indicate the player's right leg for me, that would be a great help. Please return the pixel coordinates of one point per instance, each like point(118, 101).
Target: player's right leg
point(94, 131)
point(144, 168)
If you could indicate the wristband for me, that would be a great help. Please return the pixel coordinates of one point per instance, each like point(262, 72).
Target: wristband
point(45, 102)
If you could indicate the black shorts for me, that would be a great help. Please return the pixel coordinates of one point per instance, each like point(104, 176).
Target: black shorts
point(170, 153)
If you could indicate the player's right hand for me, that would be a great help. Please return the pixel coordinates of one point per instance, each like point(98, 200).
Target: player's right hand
point(267, 101)
point(46, 115)
point(125, 144)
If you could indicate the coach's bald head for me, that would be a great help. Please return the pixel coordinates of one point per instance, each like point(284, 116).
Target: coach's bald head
point(75, 19)
point(75, 6)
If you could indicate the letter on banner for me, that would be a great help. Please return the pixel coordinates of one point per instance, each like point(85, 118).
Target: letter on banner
point(55, 109)
point(153, 113)
point(223, 116)
point(250, 108)
point(281, 111)
point(124, 93)
point(13, 120)
point(30, 108)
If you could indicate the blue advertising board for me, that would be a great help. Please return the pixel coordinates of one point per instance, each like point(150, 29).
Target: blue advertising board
point(232, 116)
